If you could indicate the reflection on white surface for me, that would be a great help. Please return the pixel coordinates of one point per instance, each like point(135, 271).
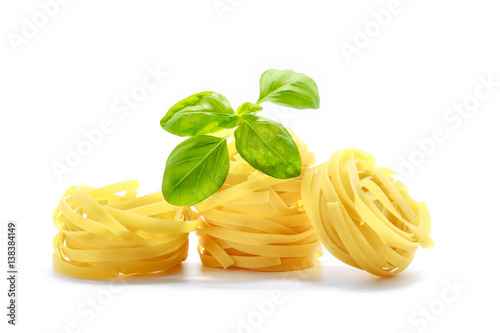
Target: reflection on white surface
point(331, 275)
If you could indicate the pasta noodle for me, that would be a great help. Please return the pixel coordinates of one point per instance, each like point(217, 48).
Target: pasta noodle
point(362, 215)
point(257, 222)
point(105, 235)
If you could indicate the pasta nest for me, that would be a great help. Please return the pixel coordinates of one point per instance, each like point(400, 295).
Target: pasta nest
point(257, 222)
point(105, 235)
point(362, 215)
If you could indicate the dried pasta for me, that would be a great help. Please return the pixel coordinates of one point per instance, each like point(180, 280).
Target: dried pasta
point(257, 222)
point(362, 215)
point(105, 235)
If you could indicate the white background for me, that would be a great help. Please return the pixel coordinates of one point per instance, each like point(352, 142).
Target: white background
point(67, 76)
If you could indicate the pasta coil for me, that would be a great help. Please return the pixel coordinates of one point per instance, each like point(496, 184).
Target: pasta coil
point(257, 222)
point(105, 235)
point(362, 215)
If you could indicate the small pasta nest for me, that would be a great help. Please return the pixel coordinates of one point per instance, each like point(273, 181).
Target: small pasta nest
point(257, 222)
point(104, 235)
point(362, 215)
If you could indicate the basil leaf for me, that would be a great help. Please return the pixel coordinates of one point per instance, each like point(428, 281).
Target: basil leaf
point(195, 169)
point(248, 108)
point(268, 147)
point(288, 88)
point(203, 113)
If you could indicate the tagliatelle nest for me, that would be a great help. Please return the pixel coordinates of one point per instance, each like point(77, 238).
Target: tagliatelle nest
point(257, 222)
point(105, 235)
point(362, 215)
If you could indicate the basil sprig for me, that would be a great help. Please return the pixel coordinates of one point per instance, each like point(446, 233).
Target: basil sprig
point(198, 166)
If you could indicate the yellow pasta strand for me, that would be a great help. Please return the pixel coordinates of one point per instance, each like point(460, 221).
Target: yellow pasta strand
point(257, 222)
point(104, 235)
point(362, 215)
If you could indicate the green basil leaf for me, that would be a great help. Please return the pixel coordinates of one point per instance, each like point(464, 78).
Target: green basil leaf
point(248, 108)
point(288, 88)
point(268, 147)
point(203, 113)
point(195, 169)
